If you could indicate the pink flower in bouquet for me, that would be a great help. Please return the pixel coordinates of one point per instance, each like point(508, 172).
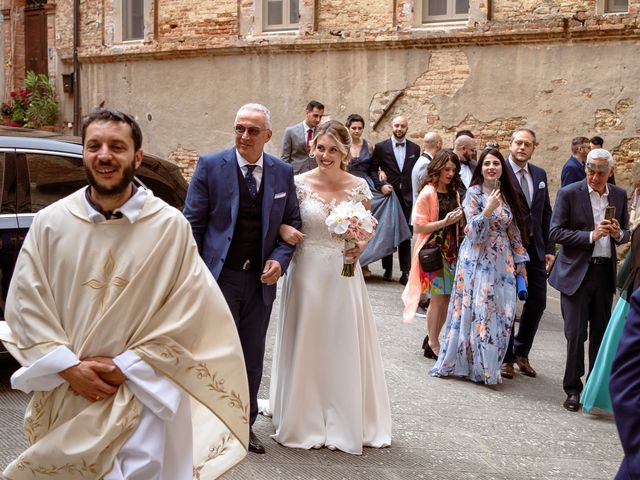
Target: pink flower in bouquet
point(351, 222)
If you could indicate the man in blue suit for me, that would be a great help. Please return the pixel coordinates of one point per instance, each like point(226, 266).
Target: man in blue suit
point(585, 270)
point(237, 200)
point(625, 392)
point(573, 169)
point(531, 182)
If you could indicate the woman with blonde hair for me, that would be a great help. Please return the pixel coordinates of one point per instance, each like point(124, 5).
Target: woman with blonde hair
point(327, 381)
point(436, 220)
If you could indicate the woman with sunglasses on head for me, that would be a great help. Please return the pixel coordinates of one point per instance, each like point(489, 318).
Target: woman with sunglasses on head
point(482, 307)
point(436, 218)
point(392, 226)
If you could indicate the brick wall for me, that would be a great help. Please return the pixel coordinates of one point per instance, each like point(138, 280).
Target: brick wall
point(356, 32)
point(193, 27)
point(355, 17)
point(13, 44)
point(197, 22)
point(186, 159)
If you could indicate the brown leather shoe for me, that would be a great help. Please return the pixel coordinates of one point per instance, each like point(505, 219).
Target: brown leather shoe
point(572, 403)
point(255, 445)
point(507, 370)
point(525, 367)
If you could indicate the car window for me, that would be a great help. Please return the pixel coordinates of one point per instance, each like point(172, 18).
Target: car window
point(9, 234)
point(51, 177)
point(7, 202)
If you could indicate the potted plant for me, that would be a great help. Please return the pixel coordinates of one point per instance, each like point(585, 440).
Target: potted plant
point(14, 113)
point(42, 108)
point(33, 106)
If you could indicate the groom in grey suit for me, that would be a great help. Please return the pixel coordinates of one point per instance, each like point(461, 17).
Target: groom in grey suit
point(585, 270)
point(297, 139)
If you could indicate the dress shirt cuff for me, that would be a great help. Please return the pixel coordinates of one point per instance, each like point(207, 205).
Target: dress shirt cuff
point(43, 376)
point(156, 392)
point(620, 236)
point(590, 237)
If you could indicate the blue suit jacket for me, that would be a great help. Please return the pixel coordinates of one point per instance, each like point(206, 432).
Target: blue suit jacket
point(571, 224)
point(539, 213)
point(572, 172)
point(212, 206)
point(625, 392)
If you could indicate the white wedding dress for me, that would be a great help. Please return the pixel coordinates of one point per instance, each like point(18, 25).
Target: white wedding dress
point(327, 382)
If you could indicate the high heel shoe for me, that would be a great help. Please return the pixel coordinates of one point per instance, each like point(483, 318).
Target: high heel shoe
point(428, 351)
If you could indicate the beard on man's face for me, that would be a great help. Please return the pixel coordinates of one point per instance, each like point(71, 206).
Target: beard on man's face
point(128, 173)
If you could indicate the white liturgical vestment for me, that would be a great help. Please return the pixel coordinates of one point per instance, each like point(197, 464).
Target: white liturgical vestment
point(134, 289)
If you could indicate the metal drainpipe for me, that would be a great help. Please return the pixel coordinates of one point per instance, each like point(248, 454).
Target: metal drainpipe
point(76, 67)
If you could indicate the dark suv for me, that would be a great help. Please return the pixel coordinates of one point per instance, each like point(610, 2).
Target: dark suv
point(37, 168)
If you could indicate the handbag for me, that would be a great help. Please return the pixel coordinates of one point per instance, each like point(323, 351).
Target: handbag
point(430, 259)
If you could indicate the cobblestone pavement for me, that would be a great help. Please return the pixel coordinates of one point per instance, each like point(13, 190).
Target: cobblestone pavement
point(442, 428)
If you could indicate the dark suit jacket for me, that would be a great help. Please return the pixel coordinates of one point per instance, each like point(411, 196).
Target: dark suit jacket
point(384, 158)
point(571, 224)
point(212, 205)
point(625, 392)
point(539, 213)
point(573, 171)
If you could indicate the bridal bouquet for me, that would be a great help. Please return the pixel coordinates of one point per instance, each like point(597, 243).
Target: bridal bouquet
point(351, 222)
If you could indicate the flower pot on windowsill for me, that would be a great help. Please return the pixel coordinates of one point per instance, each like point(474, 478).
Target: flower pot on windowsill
point(47, 128)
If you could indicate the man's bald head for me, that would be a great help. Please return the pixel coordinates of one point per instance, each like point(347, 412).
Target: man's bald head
point(465, 148)
point(432, 142)
point(463, 141)
point(399, 127)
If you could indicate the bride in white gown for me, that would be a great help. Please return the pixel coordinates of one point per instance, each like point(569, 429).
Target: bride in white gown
point(327, 382)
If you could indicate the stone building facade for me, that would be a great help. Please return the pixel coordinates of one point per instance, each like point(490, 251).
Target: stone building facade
point(562, 67)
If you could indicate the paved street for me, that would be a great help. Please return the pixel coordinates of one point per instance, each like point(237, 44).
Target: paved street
point(443, 428)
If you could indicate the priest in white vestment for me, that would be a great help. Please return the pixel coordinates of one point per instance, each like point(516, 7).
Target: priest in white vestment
point(123, 335)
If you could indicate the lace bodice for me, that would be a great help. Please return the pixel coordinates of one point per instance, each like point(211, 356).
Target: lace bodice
point(314, 210)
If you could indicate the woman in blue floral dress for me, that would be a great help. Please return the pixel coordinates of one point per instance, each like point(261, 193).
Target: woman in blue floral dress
point(482, 307)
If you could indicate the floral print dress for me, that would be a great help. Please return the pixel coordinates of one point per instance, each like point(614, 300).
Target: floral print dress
point(482, 306)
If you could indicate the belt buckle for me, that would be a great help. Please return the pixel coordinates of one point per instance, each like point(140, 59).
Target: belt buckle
point(597, 260)
point(246, 265)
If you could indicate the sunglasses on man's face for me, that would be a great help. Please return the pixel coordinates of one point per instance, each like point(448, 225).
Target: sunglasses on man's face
point(253, 131)
point(597, 167)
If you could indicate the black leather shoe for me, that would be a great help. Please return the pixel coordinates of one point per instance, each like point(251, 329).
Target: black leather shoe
point(404, 278)
point(255, 445)
point(428, 351)
point(387, 276)
point(572, 403)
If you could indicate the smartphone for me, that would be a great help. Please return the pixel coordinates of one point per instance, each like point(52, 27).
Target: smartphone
point(497, 185)
point(609, 212)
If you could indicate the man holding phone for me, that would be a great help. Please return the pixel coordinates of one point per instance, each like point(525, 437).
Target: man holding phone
point(589, 218)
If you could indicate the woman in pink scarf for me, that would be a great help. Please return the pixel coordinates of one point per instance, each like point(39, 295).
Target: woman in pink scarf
point(436, 216)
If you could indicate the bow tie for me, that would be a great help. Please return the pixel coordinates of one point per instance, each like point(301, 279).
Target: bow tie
point(399, 144)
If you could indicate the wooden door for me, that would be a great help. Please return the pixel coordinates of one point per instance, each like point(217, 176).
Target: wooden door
point(35, 41)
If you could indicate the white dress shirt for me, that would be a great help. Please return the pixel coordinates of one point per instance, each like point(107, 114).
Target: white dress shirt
point(400, 152)
point(257, 172)
point(465, 174)
point(601, 247)
point(527, 175)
